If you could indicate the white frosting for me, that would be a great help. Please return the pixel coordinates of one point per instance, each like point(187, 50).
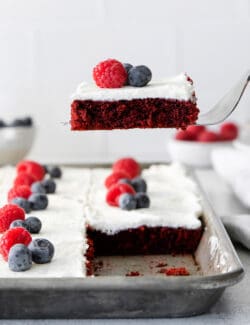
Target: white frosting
point(177, 87)
point(174, 202)
point(62, 223)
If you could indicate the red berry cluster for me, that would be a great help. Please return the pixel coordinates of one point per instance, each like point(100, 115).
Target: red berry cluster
point(227, 132)
point(28, 172)
point(122, 168)
point(114, 74)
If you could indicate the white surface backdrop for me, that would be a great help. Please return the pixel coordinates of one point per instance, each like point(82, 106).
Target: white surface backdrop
point(48, 46)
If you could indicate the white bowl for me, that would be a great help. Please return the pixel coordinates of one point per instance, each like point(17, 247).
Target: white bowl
point(193, 153)
point(15, 143)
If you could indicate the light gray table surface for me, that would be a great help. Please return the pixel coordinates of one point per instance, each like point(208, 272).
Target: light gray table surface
point(232, 308)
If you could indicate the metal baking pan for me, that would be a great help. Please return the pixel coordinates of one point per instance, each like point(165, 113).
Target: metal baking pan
point(214, 267)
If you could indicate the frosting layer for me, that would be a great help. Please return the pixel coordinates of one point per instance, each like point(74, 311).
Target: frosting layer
point(62, 223)
point(177, 87)
point(173, 195)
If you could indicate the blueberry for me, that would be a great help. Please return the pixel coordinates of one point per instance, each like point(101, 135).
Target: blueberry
point(49, 185)
point(2, 124)
point(33, 225)
point(19, 258)
point(45, 167)
point(125, 181)
point(139, 76)
point(17, 123)
point(27, 121)
point(127, 66)
point(142, 201)
point(22, 203)
point(38, 201)
point(127, 202)
point(55, 172)
point(139, 184)
point(42, 250)
point(37, 187)
point(18, 223)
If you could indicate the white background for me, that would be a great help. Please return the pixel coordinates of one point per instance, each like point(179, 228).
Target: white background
point(47, 47)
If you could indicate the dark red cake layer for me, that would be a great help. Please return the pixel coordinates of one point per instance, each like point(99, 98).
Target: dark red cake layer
point(146, 240)
point(136, 113)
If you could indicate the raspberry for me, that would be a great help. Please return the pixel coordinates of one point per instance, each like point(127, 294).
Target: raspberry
point(110, 74)
point(24, 179)
point(11, 237)
point(114, 178)
point(184, 136)
point(32, 168)
point(9, 213)
point(195, 130)
point(128, 166)
point(115, 191)
point(208, 136)
point(20, 191)
point(229, 131)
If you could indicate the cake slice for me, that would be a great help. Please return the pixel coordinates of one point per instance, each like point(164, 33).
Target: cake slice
point(169, 103)
point(170, 225)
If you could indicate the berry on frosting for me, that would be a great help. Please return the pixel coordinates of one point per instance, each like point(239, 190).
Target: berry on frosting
point(33, 225)
point(11, 237)
point(31, 168)
point(54, 171)
point(142, 201)
point(115, 191)
point(114, 178)
point(127, 67)
point(110, 74)
point(9, 213)
point(229, 131)
point(18, 223)
point(20, 191)
point(24, 178)
point(38, 201)
point(139, 76)
point(139, 184)
point(127, 165)
point(127, 201)
point(38, 187)
point(22, 203)
point(49, 185)
point(42, 250)
point(20, 258)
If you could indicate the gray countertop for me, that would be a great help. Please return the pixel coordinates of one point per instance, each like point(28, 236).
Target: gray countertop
point(232, 308)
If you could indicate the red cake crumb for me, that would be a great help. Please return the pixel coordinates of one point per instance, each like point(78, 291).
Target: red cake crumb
point(133, 273)
point(177, 271)
point(135, 113)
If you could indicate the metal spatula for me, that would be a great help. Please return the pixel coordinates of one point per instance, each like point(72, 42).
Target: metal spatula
point(226, 105)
